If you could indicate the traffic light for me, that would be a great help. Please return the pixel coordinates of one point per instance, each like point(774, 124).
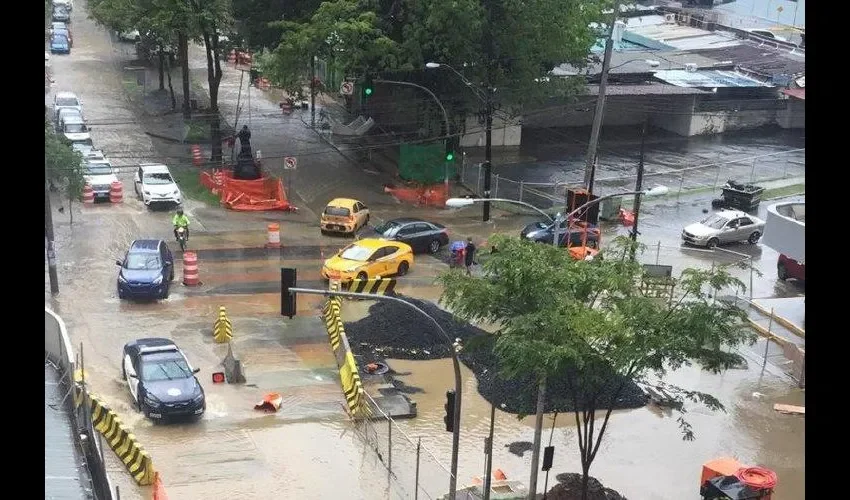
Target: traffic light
point(288, 279)
point(368, 87)
point(449, 419)
point(450, 150)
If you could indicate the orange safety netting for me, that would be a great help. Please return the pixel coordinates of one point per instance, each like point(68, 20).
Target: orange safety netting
point(434, 195)
point(261, 194)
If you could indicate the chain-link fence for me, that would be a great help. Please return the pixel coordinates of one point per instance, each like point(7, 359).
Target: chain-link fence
point(413, 470)
point(612, 178)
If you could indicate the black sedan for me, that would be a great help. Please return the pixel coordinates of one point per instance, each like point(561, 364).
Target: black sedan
point(544, 232)
point(161, 381)
point(421, 235)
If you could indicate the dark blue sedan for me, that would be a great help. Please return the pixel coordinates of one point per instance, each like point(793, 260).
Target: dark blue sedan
point(161, 381)
point(146, 271)
point(59, 44)
point(544, 232)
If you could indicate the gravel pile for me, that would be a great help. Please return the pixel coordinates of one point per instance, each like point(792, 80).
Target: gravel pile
point(395, 331)
point(569, 488)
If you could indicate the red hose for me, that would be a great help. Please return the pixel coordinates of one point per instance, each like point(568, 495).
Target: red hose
point(757, 477)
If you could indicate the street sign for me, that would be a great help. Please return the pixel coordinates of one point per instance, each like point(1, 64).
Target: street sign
point(347, 88)
point(290, 163)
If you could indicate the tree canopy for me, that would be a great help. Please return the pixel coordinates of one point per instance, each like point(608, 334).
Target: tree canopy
point(590, 318)
point(63, 165)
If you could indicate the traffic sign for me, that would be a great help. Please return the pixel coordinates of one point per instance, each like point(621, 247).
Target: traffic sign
point(347, 88)
point(290, 163)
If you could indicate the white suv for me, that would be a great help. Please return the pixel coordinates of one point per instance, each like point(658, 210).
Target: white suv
point(100, 175)
point(154, 184)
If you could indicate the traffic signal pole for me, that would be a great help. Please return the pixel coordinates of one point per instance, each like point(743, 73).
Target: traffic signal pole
point(453, 344)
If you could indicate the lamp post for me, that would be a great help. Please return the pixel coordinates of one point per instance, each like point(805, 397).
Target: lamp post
point(453, 344)
point(445, 117)
point(486, 98)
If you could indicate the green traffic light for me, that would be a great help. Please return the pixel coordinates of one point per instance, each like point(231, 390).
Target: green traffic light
point(368, 91)
point(450, 156)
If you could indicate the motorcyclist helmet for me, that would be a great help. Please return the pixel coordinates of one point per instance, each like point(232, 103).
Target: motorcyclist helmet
point(179, 211)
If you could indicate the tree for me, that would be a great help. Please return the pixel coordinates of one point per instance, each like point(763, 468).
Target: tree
point(258, 20)
point(63, 165)
point(590, 320)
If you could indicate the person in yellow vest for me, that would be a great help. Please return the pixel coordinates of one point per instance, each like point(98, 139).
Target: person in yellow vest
point(180, 220)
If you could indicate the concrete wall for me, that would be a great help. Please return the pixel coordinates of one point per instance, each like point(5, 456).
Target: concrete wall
point(505, 134)
point(794, 116)
point(783, 232)
point(718, 122)
point(619, 110)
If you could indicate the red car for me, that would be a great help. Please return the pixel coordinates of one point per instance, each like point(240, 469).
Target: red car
point(786, 267)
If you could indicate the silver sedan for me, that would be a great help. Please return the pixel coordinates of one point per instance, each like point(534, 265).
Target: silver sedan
point(727, 226)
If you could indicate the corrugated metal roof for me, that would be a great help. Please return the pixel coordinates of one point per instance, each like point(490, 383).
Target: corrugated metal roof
point(66, 476)
point(765, 59)
point(798, 93)
point(684, 37)
point(707, 79)
point(648, 89)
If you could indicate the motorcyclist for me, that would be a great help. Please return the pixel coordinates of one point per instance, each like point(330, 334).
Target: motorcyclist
point(180, 220)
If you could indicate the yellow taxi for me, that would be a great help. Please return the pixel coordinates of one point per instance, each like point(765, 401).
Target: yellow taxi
point(369, 258)
point(344, 215)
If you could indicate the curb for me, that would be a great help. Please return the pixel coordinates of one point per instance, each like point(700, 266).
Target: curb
point(796, 330)
point(765, 333)
point(168, 139)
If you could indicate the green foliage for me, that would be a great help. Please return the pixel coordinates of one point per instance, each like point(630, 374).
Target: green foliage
point(258, 20)
point(63, 164)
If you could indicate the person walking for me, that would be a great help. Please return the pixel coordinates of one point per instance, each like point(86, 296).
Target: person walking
point(469, 255)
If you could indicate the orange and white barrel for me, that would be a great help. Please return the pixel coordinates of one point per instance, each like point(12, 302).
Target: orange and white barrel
point(273, 235)
point(190, 269)
point(231, 57)
point(116, 192)
point(88, 195)
point(197, 160)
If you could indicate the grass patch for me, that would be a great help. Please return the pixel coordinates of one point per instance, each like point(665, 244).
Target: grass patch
point(197, 131)
point(189, 180)
point(131, 87)
point(782, 192)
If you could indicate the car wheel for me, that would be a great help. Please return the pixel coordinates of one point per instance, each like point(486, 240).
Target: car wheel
point(434, 246)
point(123, 371)
point(712, 243)
point(121, 295)
point(171, 276)
point(403, 268)
point(781, 272)
point(754, 238)
point(362, 276)
point(166, 292)
point(366, 223)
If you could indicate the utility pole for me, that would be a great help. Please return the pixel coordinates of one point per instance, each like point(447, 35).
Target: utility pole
point(48, 234)
point(488, 452)
point(600, 101)
point(488, 111)
point(639, 185)
point(313, 92)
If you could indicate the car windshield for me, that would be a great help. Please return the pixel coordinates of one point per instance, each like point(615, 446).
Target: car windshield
point(157, 370)
point(356, 252)
point(98, 169)
point(143, 262)
point(388, 228)
point(161, 178)
point(715, 222)
point(57, 38)
point(337, 211)
point(67, 101)
point(75, 128)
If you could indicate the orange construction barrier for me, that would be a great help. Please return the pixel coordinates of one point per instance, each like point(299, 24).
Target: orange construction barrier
point(271, 402)
point(88, 195)
point(262, 194)
point(244, 59)
point(719, 467)
point(158, 488)
point(231, 57)
point(498, 475)
point(197, 159)
point(274, 235)
point(116, 192)
point(434, 195)
point(190, 269)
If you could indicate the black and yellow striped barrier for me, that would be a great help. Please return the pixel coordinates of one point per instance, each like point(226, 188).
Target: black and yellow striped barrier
point(377, 286)
point(333, 322)
point(222, 328)
point(352, 386)
point(122, 441)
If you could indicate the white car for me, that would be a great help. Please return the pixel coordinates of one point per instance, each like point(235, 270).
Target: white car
point(100, 175)
point(154, 185)
point(66, 100)
point(88, 151)
point(66, 3)
point(75, 129)
point(129, 36)
point(726, 226)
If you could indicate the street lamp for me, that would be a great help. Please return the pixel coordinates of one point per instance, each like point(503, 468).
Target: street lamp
point(445, 119)
point(486, 99)
point(453, 344)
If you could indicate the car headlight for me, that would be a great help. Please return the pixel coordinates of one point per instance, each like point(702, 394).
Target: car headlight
point(198, 398)
point(176, 192)
point(122, 279)
point(151, 401)
point(157, 280)
point(352, 269)
point(148, 193)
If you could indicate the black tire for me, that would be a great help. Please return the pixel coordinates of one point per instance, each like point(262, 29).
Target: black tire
point(362, 276)
point(403, 268)
point(121, 296)
point(324, 233)
point(171, 276)
point(166, 292)
point(123, 370)
point(182, 245)
point(781, 272)
point(434, 246)
point(713, 242)
point(366, 223)
point(754, 238)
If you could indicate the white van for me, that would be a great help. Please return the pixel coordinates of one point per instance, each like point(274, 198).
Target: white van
point(75, 129)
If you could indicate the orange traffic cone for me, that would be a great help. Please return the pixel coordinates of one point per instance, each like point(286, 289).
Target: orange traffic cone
point(270, 403)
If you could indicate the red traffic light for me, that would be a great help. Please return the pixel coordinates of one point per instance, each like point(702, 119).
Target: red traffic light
point(218, 377)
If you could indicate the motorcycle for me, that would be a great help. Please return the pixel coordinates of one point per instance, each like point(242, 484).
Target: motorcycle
point(181, 238)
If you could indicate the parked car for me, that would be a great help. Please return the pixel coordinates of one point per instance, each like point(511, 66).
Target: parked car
point(66, 99)
point(87, 151)
point(65, 3)
point(75, 129)
point(344, 215)
point(788, 268)
point(422, 236)
point(154, 185)
point(146, 271)
point(369, 258)
point(66, 113)
point(61, 13)
point(544, 232)
point(66, 32)
point(726, 226)
point(161, 381)
point(129, 36)
point(100, 176)
point(59, 44)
